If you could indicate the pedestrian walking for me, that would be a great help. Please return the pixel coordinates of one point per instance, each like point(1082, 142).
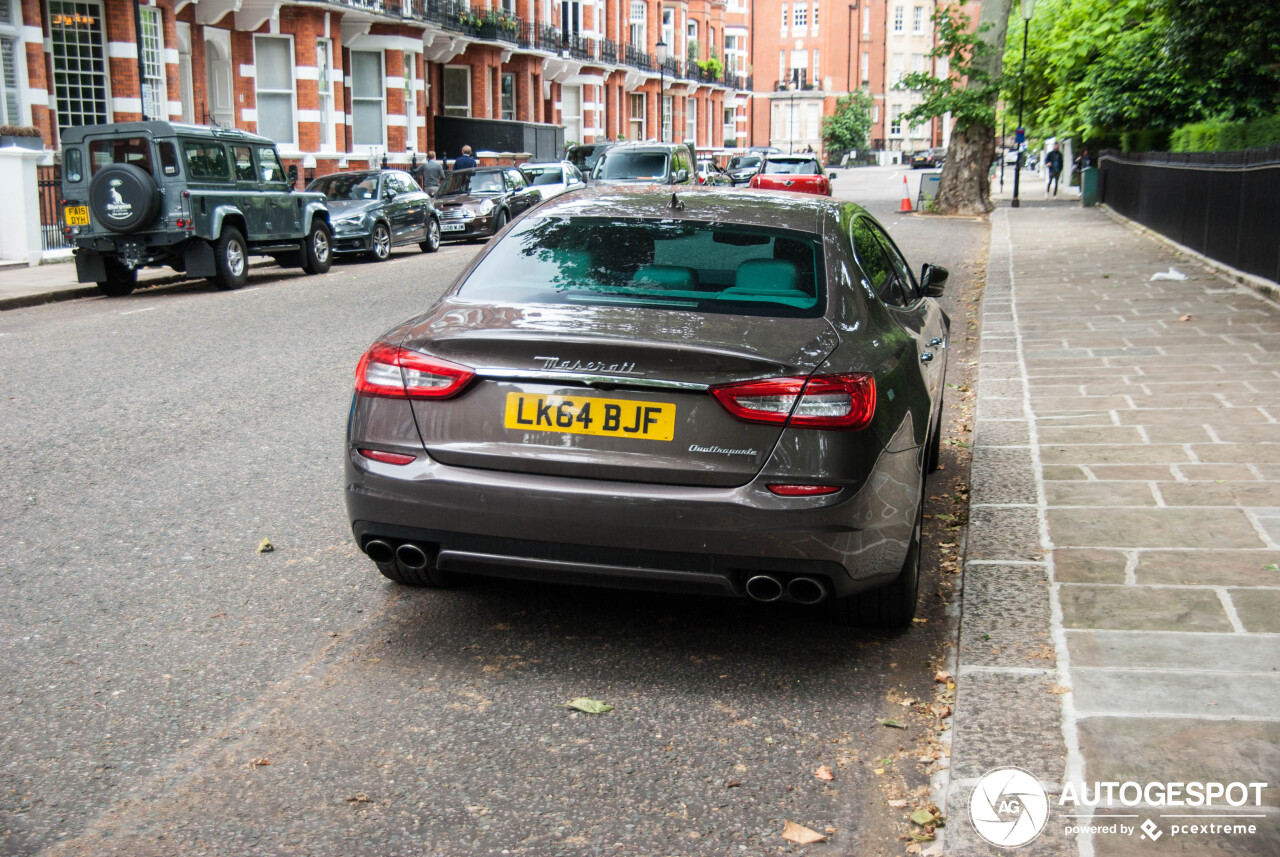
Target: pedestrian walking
point(464, 161)
point(432, 173)
point(1054, 162)
point(1083, 160)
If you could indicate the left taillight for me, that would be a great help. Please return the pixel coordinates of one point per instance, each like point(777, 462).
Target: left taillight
point(825, 401)
point(398, 373)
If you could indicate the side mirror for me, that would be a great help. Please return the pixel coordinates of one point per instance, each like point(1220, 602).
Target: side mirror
point(293, 174)
point(682, 175)
point(933, 278)
point(389, 193)
point(832, 175)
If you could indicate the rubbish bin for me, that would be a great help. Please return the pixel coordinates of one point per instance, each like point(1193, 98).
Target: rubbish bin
point(1089, 185)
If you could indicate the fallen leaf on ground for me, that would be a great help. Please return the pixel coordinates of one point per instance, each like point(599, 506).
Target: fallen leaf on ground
point(258, 763)
point(824, 773)
point(923, 817)
point(800, 834)
point(1058, 689)
point(890, 722)
point(586, 705)
point(265, 546)
point(732, 784)
point(942, 677)
point(900, 803)
point(359, 797)
point(1186, 317)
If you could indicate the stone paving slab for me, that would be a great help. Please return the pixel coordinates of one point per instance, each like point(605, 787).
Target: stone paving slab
point(1143, 540)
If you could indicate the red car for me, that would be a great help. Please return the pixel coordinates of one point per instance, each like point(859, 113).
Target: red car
point(801, 173)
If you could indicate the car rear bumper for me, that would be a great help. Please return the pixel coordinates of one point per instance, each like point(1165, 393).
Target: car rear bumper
point(636, 536)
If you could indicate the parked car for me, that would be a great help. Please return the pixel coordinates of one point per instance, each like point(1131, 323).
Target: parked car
point(799, 173)
point(585, 155)
point(633, 391)
point(928, 159)
point(645, 163)
point(710, 175)
point(375, 210)
point(199, 200)
point(552, 179)
point(743, 167)
point(476, 203)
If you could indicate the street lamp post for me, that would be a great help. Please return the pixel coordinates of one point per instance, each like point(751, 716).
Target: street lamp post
point(662, 85)
point(1027, 7)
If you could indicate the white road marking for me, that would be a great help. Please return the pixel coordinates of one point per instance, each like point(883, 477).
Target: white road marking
point(135, 311)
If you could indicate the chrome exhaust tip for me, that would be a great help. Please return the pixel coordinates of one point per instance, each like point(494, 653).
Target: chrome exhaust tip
point(806, 590)
point(379, 551)
point(411, 557)
point(764, 587)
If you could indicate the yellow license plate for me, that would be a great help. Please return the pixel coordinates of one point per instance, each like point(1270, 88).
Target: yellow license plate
point(590, 415)
point(77, 215)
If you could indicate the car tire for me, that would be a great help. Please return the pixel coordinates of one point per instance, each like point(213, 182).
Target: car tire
point(317, 252)
point(499, 221)
point(231, 259)
point(427, 578)
point(890, 607)
point(120, 280)
point(432, 244)
point(381, 238)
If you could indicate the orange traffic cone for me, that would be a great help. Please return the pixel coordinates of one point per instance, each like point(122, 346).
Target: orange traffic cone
point(906, 196)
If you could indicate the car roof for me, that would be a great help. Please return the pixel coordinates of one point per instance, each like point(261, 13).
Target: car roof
point(803, 213)
point(77, 133)
point(802, 158)
point(649, 147)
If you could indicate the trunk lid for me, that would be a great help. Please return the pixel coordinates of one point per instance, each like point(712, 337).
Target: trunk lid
point(606, 392)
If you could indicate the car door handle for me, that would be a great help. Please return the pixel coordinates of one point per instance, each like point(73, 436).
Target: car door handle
point(937, 340)
point(926, 357)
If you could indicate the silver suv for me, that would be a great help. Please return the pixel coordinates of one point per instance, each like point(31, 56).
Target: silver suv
point(197, 199)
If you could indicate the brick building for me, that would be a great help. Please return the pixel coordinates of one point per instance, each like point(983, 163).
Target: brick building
point(348, 81)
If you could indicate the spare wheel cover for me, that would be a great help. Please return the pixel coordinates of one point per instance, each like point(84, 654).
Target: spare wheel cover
point(123, 197)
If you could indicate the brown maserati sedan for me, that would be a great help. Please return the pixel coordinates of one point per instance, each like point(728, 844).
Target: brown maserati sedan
point(720, 393)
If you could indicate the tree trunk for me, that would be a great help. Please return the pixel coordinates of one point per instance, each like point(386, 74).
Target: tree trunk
point(965, 187)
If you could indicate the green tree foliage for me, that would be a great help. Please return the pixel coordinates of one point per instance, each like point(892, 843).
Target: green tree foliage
point(1138, 68)
point(969, 92)
point(849, 127)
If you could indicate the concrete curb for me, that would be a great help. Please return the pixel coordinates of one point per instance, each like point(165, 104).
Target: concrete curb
point(71, 293)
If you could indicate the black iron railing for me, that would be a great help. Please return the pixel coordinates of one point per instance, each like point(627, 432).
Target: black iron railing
point(1222, 204)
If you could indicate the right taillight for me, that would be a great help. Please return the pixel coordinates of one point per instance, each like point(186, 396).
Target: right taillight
point(826, 401)
point(398, 373)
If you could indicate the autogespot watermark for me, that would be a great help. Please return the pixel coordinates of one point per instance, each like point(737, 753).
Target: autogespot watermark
point(1009, 808)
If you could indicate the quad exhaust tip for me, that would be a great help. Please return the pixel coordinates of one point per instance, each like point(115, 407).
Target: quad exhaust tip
point(806, 590)
point(379, 551)
point(764, 587)
point(411, 557)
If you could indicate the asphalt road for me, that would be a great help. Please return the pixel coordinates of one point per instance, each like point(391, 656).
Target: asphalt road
point(166, 689)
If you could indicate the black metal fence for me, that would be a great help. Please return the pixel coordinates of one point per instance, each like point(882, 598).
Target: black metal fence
point(1225, 205)
point(49, 185)
point(544, 142)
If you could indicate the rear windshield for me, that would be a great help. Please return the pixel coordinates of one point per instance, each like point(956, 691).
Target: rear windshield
point(134, 150)
point(797, 168)
point(706, 267)
point(543, 175)
point(742, 162)
point(632, 166)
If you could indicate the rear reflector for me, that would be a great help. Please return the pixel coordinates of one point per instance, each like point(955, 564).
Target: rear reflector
point(803, 490)
point(398, 373)
point(825, 401)
point(387, 457)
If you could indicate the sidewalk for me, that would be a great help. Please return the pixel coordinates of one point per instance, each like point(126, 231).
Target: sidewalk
point(1121, 605)
point(21, 286)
